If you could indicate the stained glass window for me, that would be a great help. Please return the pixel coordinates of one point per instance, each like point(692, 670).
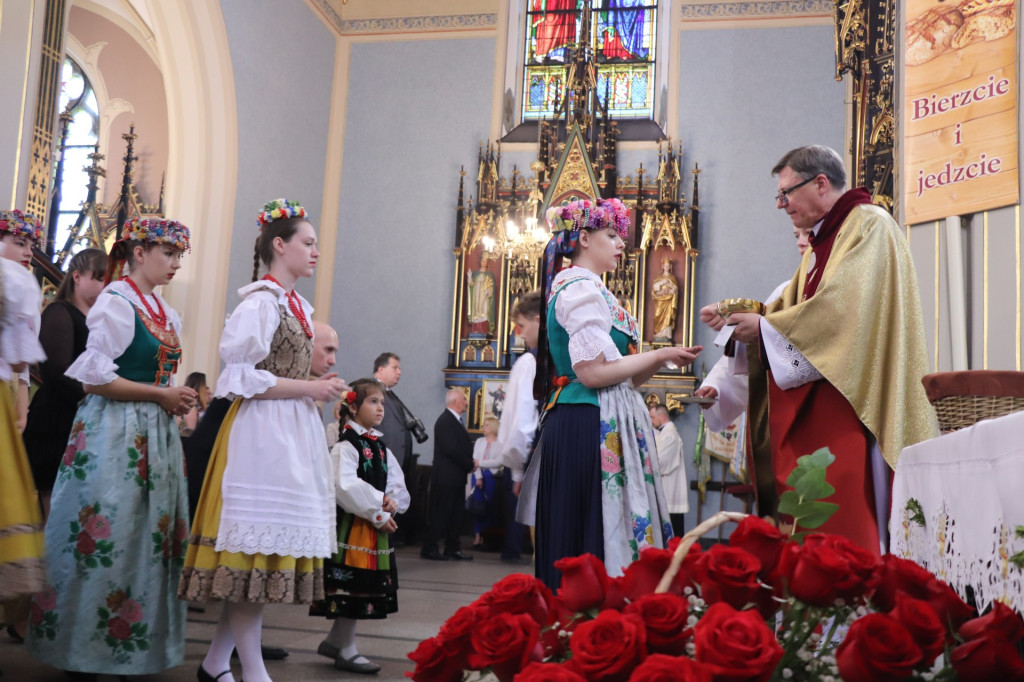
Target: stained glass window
point(83, 132)
point(623, 42)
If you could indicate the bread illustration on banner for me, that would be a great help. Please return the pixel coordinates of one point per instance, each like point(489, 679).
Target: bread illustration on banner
point(941, 29)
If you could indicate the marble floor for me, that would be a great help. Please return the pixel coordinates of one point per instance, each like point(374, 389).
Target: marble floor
point(430, 592)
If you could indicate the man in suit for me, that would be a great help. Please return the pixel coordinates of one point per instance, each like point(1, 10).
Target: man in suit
point(453, 461)
point(387, 369)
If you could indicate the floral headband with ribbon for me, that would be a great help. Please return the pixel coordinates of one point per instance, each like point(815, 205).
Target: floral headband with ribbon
point(15, 222)
point(566, 222)
point(280, 209)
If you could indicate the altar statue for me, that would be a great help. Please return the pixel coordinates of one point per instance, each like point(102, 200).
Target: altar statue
point(665, 292)
point(481, 302)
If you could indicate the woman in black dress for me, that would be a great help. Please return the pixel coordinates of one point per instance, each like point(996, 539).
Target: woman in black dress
point(63, 334)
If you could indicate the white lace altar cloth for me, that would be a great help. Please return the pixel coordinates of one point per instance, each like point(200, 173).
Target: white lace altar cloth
point(970, 488)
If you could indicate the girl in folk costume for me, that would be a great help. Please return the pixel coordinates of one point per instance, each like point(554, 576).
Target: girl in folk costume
point(592, 485)
point(118, 524)
point(265, 519)
point(19, 232)
point(361, 578)
point(21, 523)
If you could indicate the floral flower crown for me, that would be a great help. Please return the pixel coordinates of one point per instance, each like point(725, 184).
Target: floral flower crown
point(158, 231)
point(15, 222)
point(590, 215)
point(280, 209)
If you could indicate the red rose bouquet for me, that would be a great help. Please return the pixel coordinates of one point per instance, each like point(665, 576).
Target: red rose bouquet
point(765, 607)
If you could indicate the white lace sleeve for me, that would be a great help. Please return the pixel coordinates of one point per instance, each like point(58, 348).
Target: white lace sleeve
point(246, 341)
point(789, 366)
point(111, 323)
point(583, 313)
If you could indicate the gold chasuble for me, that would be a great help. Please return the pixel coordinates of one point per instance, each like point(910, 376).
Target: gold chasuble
point(863, 330)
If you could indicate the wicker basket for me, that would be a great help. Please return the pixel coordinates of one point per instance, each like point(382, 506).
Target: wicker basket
point(962, 399)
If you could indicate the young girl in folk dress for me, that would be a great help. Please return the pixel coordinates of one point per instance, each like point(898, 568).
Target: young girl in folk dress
point(592, 485)
point(361, 578)
point(265, 519)
point(115, 537)
point(21, 524)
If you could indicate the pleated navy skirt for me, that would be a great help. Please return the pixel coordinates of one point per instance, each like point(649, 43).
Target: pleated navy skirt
point(569, 521)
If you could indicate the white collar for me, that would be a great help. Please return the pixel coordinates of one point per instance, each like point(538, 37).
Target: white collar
point(361, 430)
point(573, 272)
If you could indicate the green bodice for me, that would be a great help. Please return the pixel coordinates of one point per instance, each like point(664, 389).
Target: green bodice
point(153, 355)
point(558, 344)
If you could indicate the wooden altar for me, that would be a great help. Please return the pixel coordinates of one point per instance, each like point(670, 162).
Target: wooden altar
point(499, 240)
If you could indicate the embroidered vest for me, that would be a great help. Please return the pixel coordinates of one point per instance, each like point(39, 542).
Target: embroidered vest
point(373, 458)
point(153, 355)
point(291, 351)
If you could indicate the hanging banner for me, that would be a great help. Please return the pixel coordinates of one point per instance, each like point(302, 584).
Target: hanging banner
point(960, 111)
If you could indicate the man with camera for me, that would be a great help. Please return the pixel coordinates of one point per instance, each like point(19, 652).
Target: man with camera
point(399, 425)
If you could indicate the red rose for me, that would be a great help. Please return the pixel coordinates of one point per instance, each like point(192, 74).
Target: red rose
point(433, 664)
point(662, 668)
point(826, 569)
point(736, 646)
point(987, 659)
point(901, 575)
point(36, 615)
point(143, 467)
point(584, 582)
point(69, 455)
point(118, 628)
point(518, 593)
point(644, 574)
point(924, 626)
point(505, 643)
point(608, 647)
point(456, 631)
point(761, 539)
point(1001, 622)
point(728, 574)
point(85, 545)
point(664, 616)
point(548, 672)
point(877, 649)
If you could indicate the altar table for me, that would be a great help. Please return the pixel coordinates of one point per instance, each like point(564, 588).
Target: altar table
point(966, 489)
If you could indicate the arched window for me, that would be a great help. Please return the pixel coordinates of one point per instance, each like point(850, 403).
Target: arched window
point(623, 38)
point(78, 97)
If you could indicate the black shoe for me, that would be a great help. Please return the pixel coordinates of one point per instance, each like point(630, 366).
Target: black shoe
point(270, 653)
point(13, 634)
point(327, 649)
point(434, 556)
point(204, 676)
point(458, 556)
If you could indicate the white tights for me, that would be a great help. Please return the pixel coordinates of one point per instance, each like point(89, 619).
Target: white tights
point(239, 627)
point(343, 636)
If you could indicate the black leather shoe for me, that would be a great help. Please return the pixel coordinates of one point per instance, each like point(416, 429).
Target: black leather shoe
point(204, 676)
point(458, 556)
point(327, 649)
point(433, 556)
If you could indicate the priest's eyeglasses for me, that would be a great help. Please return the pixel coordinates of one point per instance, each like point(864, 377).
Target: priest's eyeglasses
point(783, 195)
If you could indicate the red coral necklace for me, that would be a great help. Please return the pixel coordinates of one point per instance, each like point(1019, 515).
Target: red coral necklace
point(295, 306)
point(159, 317)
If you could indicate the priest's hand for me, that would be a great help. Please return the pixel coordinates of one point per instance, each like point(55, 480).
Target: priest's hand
point(709, 316)
point(748, 327)
point(706, 392)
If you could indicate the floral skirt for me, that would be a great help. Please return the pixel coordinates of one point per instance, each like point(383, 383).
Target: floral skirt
point(115, 542)
point(21, 523)
point(361, 579)
point(210, 575)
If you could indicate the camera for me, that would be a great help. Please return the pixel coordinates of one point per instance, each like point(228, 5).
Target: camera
point(415, 426)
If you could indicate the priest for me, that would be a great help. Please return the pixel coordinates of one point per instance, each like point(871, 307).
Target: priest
point(837, 360)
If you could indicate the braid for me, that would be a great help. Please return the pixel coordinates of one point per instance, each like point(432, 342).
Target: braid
point(256, 260)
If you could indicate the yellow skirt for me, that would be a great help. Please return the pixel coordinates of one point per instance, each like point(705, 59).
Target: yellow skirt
point(210, 575)
point(22, 570)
